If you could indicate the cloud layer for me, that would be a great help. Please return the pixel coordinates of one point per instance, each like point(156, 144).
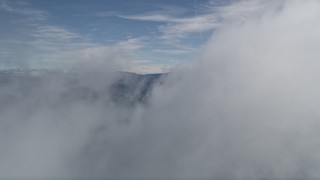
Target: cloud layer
point(249, 109)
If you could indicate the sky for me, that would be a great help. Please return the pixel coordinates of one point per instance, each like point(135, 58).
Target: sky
point(141, 36)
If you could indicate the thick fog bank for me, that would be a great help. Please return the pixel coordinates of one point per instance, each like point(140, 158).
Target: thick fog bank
point(50, 119)
point(249, 109)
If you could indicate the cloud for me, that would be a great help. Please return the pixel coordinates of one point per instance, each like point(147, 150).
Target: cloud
point(248, 110)
point(149, 68)
point(150, 17)
point(173, 51)
point(180, 25)
point(176, 28)
point(38, 41)
point(43, 44)
point(24, 10)
point(94, 57)
point(206, 17)
point(52, 33)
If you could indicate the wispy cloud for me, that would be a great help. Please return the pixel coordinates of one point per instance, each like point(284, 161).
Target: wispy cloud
point(186, 26)
point(119, 56)
point(150, 17)
point(204, 18)
point(58, 38)
point(177, 26)
point(23, 10)
point(178, 32)
point(54, 32)
point(150, 68)
point(173, 51)
point(56, 46)
point(5, 52)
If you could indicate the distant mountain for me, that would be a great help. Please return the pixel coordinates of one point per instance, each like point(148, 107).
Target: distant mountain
point(58, 86)
point(131, 88)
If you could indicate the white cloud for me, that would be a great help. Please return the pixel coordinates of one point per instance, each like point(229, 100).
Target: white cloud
point(176, 27)
point(131, 43)
point(206, 18)
point(249, 110)
point(149, 68)
point(150, 17)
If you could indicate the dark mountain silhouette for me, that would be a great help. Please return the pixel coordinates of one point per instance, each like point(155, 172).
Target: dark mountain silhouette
point(55, 87)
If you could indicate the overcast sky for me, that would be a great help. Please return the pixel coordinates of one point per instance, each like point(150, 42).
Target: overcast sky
point(147, 36)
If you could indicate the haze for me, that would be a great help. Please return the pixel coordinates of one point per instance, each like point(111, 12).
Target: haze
point(232, 91)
